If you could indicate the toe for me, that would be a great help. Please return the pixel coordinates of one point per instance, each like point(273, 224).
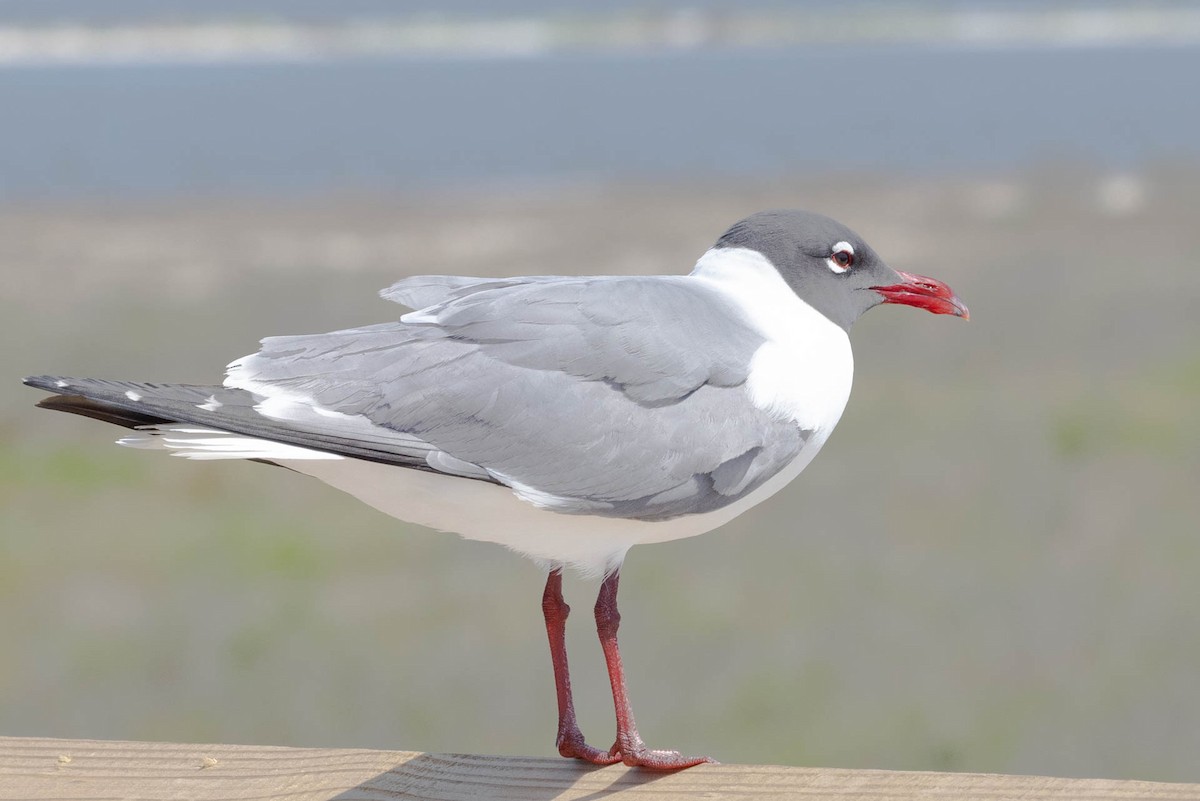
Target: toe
point(662, 760)
point(578, 749)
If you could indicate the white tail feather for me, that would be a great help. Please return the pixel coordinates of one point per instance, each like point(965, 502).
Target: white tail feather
point(191, 442)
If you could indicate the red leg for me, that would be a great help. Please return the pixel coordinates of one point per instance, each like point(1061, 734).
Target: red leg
point(629, 746)
point(570, 739)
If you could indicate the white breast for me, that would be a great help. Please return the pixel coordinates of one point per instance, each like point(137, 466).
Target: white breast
point(803, 372)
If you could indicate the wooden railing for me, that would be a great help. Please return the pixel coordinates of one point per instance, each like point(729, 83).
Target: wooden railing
point(33, 769)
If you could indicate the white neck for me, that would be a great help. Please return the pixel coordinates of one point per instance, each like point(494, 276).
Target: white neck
point(804, 370)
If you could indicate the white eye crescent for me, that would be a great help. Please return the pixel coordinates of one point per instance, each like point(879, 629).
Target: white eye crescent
point(841, 257)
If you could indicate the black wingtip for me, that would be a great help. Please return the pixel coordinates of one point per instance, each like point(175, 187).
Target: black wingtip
point(70, 396)
point(98, 410)
point(50, 383)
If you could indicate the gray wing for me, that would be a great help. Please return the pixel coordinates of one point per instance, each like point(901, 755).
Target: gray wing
point(141, 405)
point(422, 291)
point(610, 396)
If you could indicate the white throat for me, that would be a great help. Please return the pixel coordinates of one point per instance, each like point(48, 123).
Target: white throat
point(804, 370)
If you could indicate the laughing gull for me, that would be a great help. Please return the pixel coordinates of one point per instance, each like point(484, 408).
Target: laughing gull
point(568, 418)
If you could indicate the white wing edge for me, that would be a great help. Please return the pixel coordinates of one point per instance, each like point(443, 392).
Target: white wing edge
point(192, 442)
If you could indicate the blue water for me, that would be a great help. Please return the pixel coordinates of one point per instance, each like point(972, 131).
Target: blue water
point(113, 11)
point(131, 131)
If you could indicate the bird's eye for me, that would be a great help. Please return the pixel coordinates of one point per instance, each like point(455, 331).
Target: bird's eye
point(841, 258)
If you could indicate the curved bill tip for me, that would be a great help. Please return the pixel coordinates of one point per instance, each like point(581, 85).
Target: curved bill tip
point(925, 293)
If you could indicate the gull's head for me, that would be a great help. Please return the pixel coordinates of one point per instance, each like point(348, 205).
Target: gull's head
point(832, 269)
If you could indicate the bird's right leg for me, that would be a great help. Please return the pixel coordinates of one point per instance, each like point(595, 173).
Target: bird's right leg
point(570, 739)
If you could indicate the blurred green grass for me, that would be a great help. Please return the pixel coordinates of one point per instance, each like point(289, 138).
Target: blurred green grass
point(991, 566)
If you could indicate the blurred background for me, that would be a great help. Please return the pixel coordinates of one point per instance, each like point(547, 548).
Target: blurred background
point(992, 566)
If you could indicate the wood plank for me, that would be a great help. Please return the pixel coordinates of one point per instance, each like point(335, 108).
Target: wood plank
point(40, 769)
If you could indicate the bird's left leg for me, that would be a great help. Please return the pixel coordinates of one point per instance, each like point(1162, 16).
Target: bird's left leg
point(629, 747)
point(570, 740)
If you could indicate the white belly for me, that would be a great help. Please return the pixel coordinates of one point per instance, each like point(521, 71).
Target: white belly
point(492, 513)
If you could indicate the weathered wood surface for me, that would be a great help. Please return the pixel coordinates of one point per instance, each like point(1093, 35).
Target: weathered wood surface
point(34, 769)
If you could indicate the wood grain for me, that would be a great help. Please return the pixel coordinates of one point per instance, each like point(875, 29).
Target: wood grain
point(36, 769)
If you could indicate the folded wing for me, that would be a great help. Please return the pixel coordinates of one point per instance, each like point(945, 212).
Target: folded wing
point(611, 396)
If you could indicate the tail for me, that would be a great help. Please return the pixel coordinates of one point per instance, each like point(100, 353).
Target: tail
point(215, 422)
